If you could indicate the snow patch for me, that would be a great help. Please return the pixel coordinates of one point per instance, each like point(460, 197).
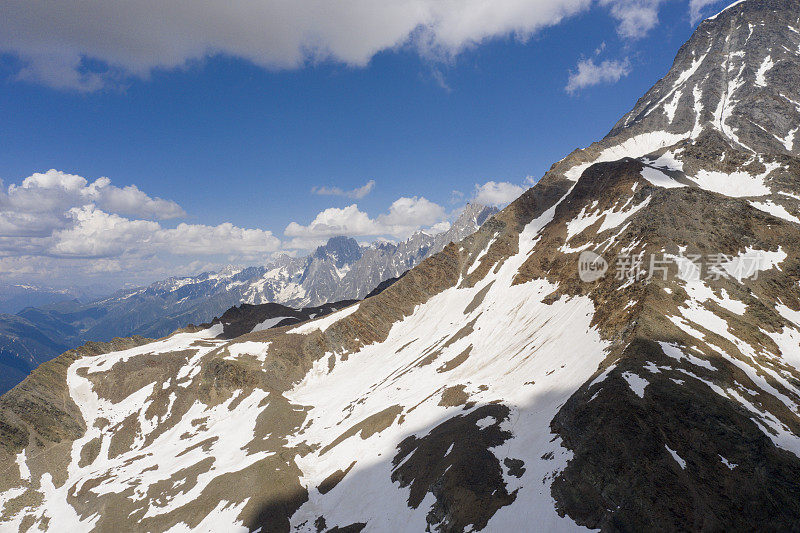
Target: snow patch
point(789, 314)
point(788, 343)
point(766, 65)
point(737, 184)
point(485, 422)
point(325, 322)
point(22, 463)
point(516, 348)
point(752, 261)
point(259, 350)
point(677, 457)
point(636, 383)
point(659, 179)
point(675, 352)
point(788, 141)
point(637, 146)
point(689, 72)
point(672, 106)
point(269, 323)
point(612, 218)
point(774, 209)
point(477, 262)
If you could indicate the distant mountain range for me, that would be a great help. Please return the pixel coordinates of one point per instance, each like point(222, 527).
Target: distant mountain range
point(340, 270)
point(15, 297)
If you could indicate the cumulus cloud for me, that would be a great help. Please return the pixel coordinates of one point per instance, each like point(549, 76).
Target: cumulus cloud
point(40, 202)
point(60, 41)
point(589, 73)
point(357, 193)
point(497, 193)
point(334, 221)
point(405, 216)
point(406, 213)
point(59, 224)
point(635, 17)
point(95, 233)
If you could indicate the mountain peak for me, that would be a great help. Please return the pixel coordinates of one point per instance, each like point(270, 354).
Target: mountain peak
point(736, 75)
point(733, 4)
point(474, 213)
point(343, 250)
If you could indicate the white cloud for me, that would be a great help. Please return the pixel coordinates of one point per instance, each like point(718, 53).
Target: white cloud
point(60, 227)
point(39, 204)
point(588, 73)
point(56, 225)
point(129, 200)
point(497, 193)
point(600, 48)
point(405, 216)
point(103, 274)
point(95, 233)
point(199, 239)
point(410, 213)
point(441, 227)
point(456, 197)
point(335, 221)
point(357, 193)
point(135, 37)
point(440, 80)
point(635, 17)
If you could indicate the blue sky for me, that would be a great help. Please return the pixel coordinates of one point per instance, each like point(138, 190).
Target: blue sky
point(242, 137)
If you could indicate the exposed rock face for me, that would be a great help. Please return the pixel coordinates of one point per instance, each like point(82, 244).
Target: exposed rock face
point(491, 387)
point(340, 270)
point(737, 74)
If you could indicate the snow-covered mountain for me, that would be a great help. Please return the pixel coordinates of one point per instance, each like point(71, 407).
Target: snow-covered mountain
point(618, 349)
point(340, 270)
point(741, 85)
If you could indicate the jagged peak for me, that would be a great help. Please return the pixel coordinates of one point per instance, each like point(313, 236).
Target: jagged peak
point(474, 213)
point(750, 54)
point(342, 249)
point(734, 78)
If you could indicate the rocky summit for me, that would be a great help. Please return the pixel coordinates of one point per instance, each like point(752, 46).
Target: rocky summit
point(618, 349)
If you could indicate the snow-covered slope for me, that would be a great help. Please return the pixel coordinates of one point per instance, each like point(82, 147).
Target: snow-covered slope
point(490, 388)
